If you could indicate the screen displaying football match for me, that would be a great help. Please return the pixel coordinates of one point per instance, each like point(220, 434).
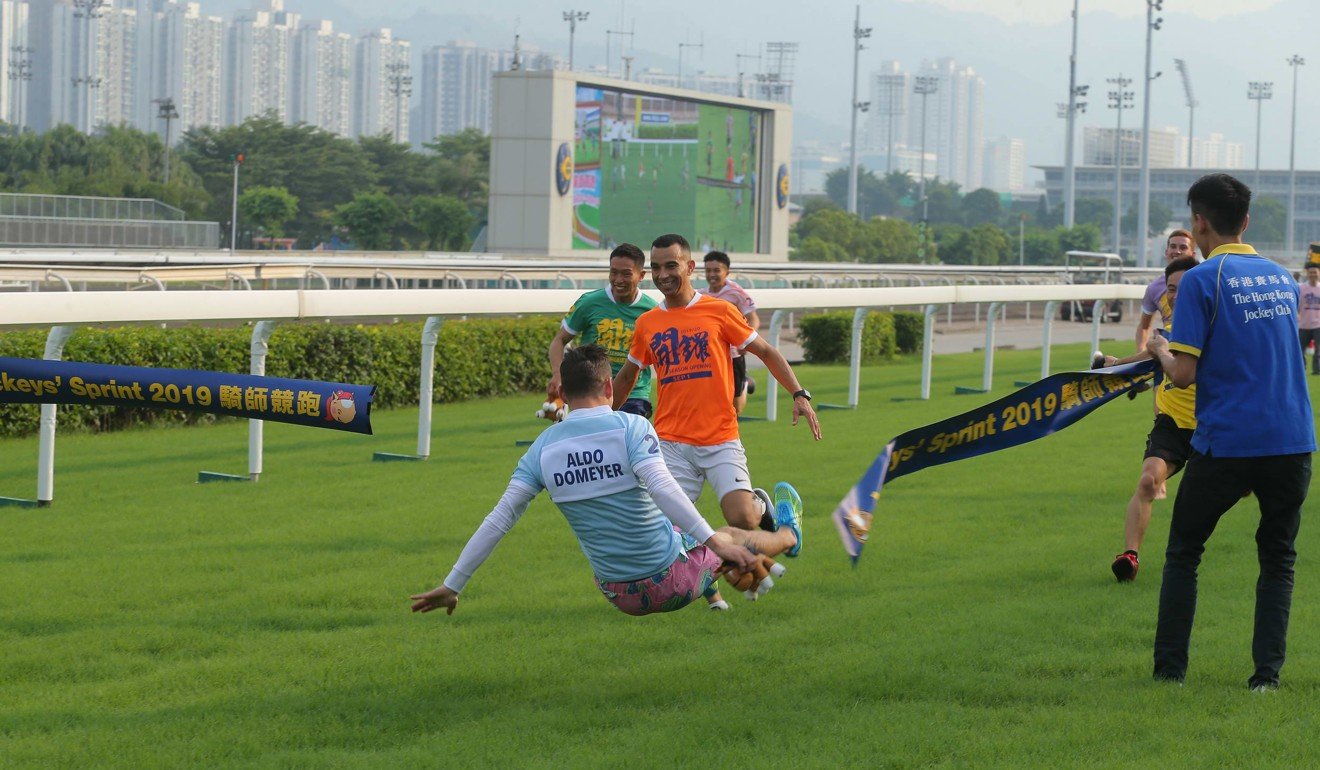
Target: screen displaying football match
point(647, 165)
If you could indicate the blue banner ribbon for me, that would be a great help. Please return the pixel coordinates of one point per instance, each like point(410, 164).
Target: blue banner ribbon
point(301, 402)
point(1031, 413)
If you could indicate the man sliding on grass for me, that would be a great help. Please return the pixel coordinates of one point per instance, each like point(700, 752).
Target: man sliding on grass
point(650, 550)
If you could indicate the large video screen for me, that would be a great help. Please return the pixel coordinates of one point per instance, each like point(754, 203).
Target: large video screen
point(648, 165)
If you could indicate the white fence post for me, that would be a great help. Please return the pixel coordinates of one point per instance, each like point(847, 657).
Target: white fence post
point(855, 356)
point(1051, 310)
point(988, 372)
point(260, 346)
point(55, 340)
point(426, 383)
point(927, 343)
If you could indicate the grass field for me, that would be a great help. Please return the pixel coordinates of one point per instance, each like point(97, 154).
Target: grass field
point(148, 621)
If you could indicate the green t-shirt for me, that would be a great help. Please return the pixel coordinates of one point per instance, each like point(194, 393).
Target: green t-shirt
point(597, 318)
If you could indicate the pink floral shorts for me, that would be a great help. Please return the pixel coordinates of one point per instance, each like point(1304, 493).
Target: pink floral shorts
point(670, 589)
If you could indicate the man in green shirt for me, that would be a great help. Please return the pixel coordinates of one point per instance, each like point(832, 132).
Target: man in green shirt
point(606, 317)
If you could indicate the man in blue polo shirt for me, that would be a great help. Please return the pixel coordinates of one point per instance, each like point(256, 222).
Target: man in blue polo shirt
point(1234, 337)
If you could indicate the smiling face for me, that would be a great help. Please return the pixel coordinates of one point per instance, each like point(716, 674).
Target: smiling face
point(1171, 287)
point(717, 275)
point(625, 278)
point(671, 270)
point(1179, 246)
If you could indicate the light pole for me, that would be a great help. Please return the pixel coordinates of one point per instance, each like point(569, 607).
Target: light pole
point(400, 85)
point(20, 72)
point(1192, 104)
point(923, 86)
point(165, 111)
point(573, 17)
point(89, 11)
point(609, 35)
point(738, 57)
point(1296, 62)
point(237, 159)
point(1119, 100)
point(1153, 23)
point(1069, 171)
point(681, 46)
point(860, 33)
point(1258, 91)
point(893, 107)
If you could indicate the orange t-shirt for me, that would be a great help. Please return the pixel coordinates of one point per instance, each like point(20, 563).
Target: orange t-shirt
point(689, 349)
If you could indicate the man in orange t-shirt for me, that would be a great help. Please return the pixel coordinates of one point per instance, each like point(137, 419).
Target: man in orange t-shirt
point(687, 339)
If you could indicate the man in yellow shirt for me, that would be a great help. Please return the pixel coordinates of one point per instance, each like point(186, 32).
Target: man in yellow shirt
point(1168, 445)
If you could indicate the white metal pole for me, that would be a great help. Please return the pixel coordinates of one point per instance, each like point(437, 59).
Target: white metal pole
point(988, 371)
point(1069, 181)
point(852, 108)
point(1051, 309)
point(430, 336)
point(772, 387)
point(55, 340)
point(927, 341)
point(1296, 62)
point(260, 346)
point(855, 355)
point(233, 214)
point(1143, 205)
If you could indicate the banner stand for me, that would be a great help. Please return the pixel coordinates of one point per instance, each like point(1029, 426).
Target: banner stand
point(260, 347)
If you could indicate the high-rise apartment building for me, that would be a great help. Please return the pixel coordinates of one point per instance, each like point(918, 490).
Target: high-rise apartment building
point(1165, 147)
point(114, 66)
point(456, 88)
point(258, 58)
point(189, 59)
point(323, 78)
point(15, 61)
point(1005, 165)
point(954, 119)
point(383, 84)
point(1215, 152)
point(891, 101)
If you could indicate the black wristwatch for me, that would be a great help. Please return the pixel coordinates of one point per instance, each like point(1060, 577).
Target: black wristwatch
point(804, 393)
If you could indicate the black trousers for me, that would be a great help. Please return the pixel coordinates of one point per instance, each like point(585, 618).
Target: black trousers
point(1211, 486)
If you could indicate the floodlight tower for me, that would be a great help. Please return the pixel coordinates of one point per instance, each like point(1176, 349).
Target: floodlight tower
point(742, 92)
point(609, 34)
point(89, 11)
point(1074, 91)
point(1119, 99)
point(860, 33)
point(1153, 23)
point(1258, 91)
point(681, 46)
point(400, 87)
point(923, 86)
point(1296, 62)
point(165, 111)
point(1192, 104)
point(573, 17)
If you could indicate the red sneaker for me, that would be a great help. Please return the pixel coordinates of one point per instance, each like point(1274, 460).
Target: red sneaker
point(1125, 566)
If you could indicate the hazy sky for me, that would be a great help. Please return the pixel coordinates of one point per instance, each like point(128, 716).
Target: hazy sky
point(1020, 47)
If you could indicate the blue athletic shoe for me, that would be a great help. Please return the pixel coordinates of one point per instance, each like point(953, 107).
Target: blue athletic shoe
point(788, 513)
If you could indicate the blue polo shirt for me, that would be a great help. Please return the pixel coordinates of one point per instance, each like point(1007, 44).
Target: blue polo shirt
point(1237, 313)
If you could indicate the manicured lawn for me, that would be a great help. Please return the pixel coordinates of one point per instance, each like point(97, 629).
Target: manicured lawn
point(148, 621)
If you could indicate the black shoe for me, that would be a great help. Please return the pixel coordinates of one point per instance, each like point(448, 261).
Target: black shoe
point(1169, 677)
point(1262, 684)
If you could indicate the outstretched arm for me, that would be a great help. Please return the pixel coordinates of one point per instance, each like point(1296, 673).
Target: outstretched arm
point(557, 345)
point(513, 503)
point(1143, 331)
point(1178, 366)
point(676, 507)
point(624, 382)
point(783, 374)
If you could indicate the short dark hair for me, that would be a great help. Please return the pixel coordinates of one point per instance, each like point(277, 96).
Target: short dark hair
point(718, 256)
point(584, 371)
point(1180, 264)
point(631, 252)
point(1222, 200)
point(672, 239)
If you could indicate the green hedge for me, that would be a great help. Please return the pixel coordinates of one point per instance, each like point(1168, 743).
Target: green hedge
point(485, 357)
point(825, 337)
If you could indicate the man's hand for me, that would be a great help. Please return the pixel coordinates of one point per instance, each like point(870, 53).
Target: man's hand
point(738, 556)
point(802, 408)
point(552, 389)
point(1157, 346)
point(437, 597)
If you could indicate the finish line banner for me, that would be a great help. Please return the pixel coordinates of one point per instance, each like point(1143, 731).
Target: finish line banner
point(300, 402)
point(1031, 413)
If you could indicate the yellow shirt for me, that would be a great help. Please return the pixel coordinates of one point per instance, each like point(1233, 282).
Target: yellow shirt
point(1178, 403)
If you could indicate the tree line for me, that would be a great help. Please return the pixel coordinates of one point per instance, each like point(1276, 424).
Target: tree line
point(976, 228)
point(296, 181)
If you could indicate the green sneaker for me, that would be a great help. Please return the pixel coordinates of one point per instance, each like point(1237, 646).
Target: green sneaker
point(788, 513)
